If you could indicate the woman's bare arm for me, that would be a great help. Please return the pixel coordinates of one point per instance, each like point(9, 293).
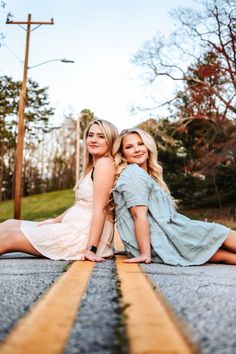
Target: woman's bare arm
point(104, 176)
point(142, 234)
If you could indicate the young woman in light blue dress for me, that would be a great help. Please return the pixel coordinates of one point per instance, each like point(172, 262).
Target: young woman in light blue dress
point(146, 217)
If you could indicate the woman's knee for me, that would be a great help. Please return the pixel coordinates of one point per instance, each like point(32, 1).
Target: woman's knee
point(230, 241)
point(10, 224)
point(224, 256)
point(15, 241)
point(4, 241)
point(219, 256)
point(9, 240)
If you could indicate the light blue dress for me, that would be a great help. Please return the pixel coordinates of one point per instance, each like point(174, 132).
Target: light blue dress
point(175, 239)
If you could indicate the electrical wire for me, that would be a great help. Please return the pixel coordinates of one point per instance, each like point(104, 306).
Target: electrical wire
point(49, 9)
point(3, 71)
point(13, 53)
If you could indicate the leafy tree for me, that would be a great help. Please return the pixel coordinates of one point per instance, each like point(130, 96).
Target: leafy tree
point(208, 136)
point(37, 110)
point(37, 114)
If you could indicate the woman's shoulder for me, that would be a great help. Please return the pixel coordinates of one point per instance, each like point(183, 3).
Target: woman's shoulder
point(105, 162)
point(133, 179)
point(105, 166)
point(133, 174)
point(133, 170)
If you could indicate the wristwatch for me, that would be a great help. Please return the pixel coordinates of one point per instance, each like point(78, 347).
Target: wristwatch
point(92, 248)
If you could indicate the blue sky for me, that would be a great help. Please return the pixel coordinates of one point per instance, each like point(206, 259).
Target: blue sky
point(101, 37)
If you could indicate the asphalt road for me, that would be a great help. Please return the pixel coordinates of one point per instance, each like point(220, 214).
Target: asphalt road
point(98, 327)
point(23, 279)
point(203, 298)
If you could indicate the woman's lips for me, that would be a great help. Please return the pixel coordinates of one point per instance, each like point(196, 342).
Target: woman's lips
point(138, 156)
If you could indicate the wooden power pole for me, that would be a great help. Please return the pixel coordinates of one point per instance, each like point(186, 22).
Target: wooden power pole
point(77, 163)
point(21, 111)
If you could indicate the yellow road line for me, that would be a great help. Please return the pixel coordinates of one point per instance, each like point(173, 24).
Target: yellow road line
point(46, 328)
point(151, 327)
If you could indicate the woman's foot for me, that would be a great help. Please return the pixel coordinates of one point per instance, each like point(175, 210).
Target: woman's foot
point(91, 256)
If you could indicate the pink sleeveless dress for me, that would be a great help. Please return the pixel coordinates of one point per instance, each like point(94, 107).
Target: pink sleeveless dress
point(68, 239)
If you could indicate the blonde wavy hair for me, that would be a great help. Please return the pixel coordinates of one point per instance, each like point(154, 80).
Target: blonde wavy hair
point(110, 132)
point(154, 169)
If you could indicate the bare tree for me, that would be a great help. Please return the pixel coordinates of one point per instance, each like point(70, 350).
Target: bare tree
point(212, 28)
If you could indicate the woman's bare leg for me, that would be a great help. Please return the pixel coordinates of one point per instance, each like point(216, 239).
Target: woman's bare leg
point(15, 241)
point(223, 256)
point(230, 242)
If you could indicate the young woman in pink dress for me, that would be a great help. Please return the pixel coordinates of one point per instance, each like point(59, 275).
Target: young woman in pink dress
point(84, 231)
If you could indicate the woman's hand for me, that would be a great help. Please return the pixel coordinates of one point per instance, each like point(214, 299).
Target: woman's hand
point(47, 222)
point(91, 256)
point(140, 259)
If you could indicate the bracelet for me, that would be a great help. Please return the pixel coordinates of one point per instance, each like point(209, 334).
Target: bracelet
point(91, 248)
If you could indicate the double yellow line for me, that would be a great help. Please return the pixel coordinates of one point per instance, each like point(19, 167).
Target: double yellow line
point(47, 326)
point(151, 327)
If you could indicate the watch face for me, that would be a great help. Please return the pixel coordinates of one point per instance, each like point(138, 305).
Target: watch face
point(92, 248)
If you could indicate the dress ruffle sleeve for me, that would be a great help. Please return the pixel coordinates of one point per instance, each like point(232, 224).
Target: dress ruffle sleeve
point(134, 186)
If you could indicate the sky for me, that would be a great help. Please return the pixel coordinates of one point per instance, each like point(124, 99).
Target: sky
point(100, 37)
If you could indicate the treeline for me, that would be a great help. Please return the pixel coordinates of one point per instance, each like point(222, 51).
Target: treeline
point(49, 152)
point(197, 152)
point(197, 141)
point(199, 163)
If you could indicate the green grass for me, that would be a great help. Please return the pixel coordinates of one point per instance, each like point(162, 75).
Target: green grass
point(211, 216)
point(49, 205)
point(39, 206)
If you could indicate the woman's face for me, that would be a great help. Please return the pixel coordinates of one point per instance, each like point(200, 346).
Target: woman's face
point(96, 142)
point(134, 150)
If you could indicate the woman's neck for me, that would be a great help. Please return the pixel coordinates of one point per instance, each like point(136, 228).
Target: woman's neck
point(94, 160)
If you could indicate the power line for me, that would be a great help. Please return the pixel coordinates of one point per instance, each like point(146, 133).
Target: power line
point(12, 52)
point(3, 71)
point(48, 8)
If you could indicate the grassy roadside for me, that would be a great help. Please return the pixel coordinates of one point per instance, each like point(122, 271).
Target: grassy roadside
point(39, 206)
point(222, 216)
point(48, 205)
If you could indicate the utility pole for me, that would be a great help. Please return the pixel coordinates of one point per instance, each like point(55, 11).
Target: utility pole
point(77, 163)
point(21, 111)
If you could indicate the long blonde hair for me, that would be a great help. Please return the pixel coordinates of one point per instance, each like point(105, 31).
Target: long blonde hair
point(110, 132)
point(154, 169)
